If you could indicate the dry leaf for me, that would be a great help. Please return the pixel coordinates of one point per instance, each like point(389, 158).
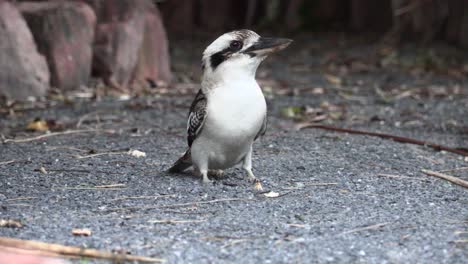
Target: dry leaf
point(137, 153)
point(10, 223)
point(38, 125)
point(81, 232)
point(271, 194)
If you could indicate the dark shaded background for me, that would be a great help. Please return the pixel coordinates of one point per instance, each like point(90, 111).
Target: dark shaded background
point(394, 20)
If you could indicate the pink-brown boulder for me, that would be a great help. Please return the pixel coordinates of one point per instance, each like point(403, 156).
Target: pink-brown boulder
point(153, 61)
point(23, 71)
point(64, 33)
point(130, 43)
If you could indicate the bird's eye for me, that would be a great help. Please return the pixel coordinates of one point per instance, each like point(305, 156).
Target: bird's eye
point(235, 45)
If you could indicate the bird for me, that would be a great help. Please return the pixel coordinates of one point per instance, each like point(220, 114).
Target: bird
point(229, 112)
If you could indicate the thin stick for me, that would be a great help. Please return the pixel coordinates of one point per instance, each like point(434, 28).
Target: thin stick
point(173, 221)
point(32, 252)
point(84, 117)
point(116, 185)
point(310, 184)
point(21, 198)
point(388, 136)
point(456, 169)
point(371, 227)
point(399, 176)
point(319, 183)
point(7, 162)
point(180, 204)
point(449, 178)
point(68, 132)
point(68, 251)
point(100, 154)
point(91, 188)
point(142, 197)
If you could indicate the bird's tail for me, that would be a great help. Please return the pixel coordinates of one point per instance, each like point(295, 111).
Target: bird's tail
point(182, 163)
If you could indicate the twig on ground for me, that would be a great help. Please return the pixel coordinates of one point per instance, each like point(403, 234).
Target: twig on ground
point(399, 176)
point(142, 197)
point(68, 132)
point(185, 213)
point(116, 185)
point(180, 204)
point(456, 169)
point(371, 227)
point(320, 183)
point(234, 242)
point(91, 188)
point(48, 249)
point(386, 136)
point(449, 178)
point(21, 198)
point(64, 147)
point(100, 154)
point(310, 184)
point(173, 221)
point(69, 170)
point(84, 117)
point(20, 205)
point(6, 162)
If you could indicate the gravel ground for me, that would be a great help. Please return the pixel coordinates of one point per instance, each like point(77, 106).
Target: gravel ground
point(342, 198)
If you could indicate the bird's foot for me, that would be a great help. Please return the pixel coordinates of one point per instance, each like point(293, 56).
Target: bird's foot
point(216, 173)
point(258, 185)
point(205, 179)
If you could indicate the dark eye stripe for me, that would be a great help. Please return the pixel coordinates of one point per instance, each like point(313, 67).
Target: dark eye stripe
point(216, 59)
point(219, 57)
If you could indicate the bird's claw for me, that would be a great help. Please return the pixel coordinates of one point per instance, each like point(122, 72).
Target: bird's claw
point(257, 185)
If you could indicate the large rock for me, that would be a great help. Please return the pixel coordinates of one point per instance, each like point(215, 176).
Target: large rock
point(64, 33)
point(153, 61)
point(23, 71)
point(130, 42)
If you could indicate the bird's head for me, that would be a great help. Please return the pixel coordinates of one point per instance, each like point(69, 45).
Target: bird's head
point(239, 53)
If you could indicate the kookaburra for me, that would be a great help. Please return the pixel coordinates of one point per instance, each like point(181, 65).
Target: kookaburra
point(229, 112)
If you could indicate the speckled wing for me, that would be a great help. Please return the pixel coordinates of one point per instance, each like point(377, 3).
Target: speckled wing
point(263, 129)
point(196, 118)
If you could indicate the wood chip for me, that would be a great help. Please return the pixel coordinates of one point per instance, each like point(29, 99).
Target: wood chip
point(43, 170)
point(81, 232)
point(271, 194)
point(10, 223)
point(137, 153)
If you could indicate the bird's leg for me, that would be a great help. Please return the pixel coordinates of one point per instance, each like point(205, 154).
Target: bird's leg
point(204, 174)
point(247, 165)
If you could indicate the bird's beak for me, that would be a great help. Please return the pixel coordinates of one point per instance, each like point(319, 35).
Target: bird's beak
point(265, 46)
